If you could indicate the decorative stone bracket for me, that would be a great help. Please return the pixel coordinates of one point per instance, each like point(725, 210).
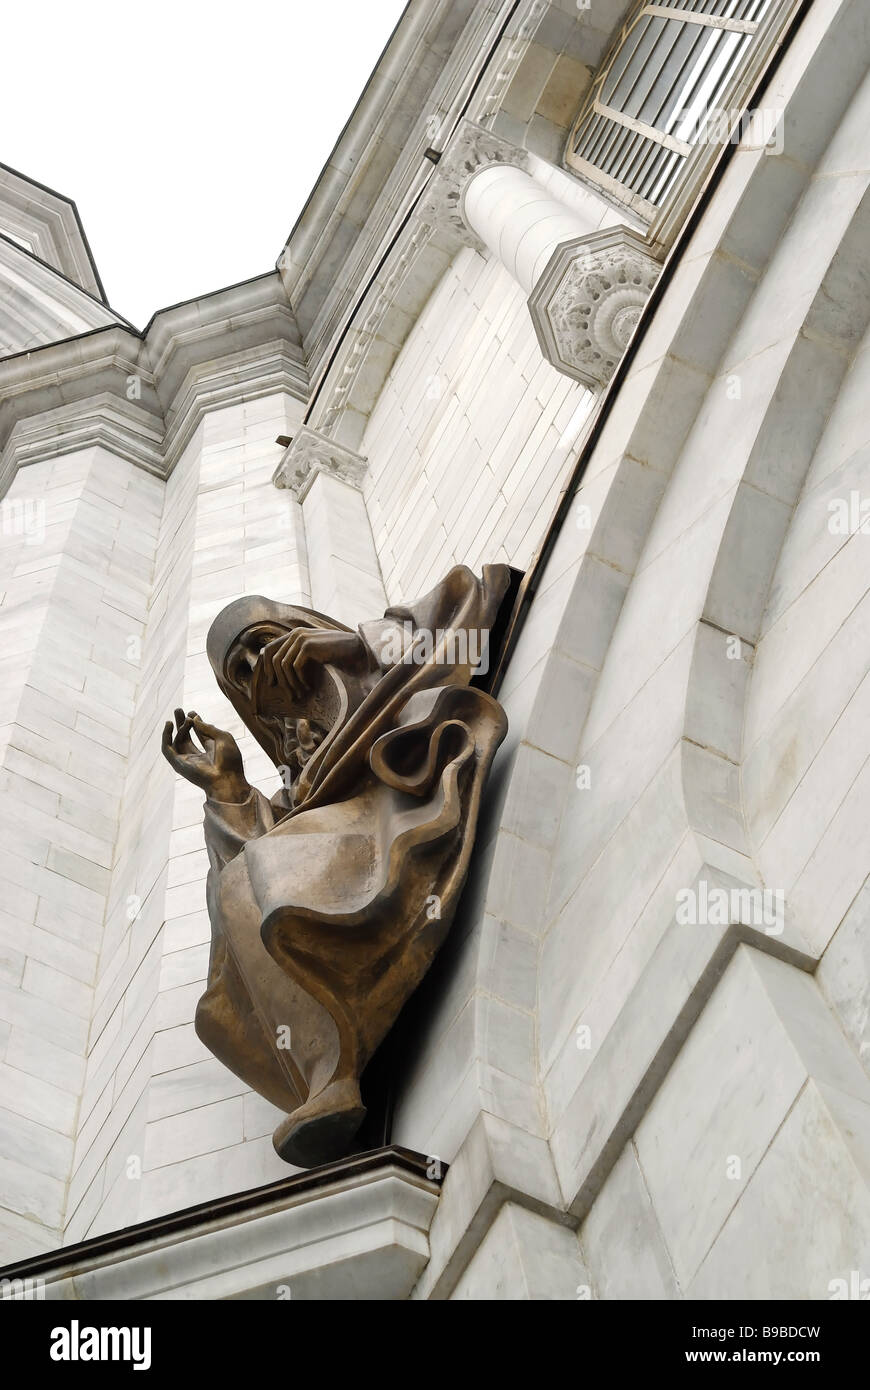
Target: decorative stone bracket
point(471, 149)
point(312, 453)
point(588, 300)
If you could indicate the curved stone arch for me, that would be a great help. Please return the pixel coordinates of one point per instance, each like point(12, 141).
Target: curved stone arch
point(578, 606)
point(557, 666)
point(793, 778)
point(812, 304)
point(801, 400)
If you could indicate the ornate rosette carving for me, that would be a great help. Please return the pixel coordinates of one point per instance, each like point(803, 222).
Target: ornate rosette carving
point(587, 303)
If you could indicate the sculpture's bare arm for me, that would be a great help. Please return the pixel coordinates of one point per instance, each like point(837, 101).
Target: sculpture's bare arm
point(216, 767)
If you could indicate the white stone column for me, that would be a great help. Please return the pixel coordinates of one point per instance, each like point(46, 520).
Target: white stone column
point(586, 284)
point(326, 478)
point(519, 221)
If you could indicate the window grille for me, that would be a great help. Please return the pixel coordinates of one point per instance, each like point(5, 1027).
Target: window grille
point(675, 65)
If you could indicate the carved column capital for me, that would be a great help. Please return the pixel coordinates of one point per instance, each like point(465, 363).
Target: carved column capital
point(471, 149)
point(588, 300)
point(311, 453)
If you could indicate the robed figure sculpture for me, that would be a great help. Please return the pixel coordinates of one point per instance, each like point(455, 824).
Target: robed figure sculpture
point(328, 903)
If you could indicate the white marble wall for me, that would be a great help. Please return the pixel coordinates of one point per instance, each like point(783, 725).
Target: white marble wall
point(471, 437)
point(740, 1176)
point(693, 1099)
point(161, 1123)
point(686, 702)
point(807, 735)
point(345, 576)
point(76, 550)
point(524, 1257)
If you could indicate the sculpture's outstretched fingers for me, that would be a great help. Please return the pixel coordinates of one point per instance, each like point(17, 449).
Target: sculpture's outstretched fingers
point(177, 743)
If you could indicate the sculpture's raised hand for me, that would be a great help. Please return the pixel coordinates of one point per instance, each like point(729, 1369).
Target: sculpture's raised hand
point(290, 661)
point(216, 767)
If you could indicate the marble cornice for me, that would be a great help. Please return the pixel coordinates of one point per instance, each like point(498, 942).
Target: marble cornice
point(39, 305)
point(50, 223)
point(430, 238)
point(355, 1228)
point(375, 127)
point(142, 396)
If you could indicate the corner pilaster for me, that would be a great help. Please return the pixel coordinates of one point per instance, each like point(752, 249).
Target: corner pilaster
point(326, 478)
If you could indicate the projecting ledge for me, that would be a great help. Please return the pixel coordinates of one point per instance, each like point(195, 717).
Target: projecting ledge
point(356, 1229)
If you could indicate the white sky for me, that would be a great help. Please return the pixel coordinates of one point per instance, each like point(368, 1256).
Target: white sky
point(189, 134)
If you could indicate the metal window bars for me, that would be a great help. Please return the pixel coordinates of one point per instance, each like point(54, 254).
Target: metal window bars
point(675, 65)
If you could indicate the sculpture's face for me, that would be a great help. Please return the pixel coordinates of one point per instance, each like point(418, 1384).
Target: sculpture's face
point(288, 727)
point(245, 658)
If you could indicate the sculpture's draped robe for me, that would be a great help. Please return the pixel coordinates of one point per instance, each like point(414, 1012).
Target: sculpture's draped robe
point(328, 902)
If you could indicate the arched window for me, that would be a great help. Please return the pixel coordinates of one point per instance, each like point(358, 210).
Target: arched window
point(672, 86)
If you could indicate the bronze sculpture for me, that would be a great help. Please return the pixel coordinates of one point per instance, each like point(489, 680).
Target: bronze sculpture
point(329, 902)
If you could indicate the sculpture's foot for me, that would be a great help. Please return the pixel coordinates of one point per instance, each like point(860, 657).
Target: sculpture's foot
point(321, 1130)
